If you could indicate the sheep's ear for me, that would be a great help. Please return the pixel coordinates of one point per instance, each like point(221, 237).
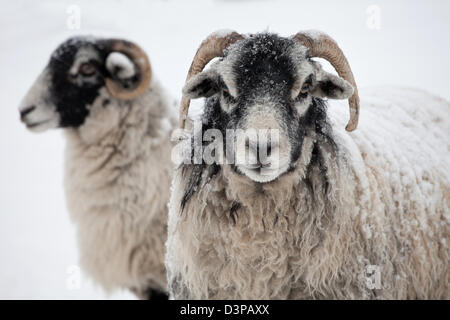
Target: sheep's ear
point(330, 86)
point(204, 84)
point(120, 66)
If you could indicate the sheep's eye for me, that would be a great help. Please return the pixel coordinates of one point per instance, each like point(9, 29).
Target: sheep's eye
point(87, 69)
point(305, 88)
point(226, 92)
point(306, 85)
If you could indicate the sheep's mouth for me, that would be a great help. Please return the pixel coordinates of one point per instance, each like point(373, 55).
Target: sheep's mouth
point(40, 125)
point(265, 167)
point(263, 174)
point(258, 167)
point(37, 124)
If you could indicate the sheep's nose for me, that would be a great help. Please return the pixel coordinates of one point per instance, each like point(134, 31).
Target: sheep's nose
point(260, 149)
point(26, 111)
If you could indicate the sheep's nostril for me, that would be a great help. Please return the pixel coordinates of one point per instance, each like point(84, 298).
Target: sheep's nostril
point(26, 111)
point(268, 150)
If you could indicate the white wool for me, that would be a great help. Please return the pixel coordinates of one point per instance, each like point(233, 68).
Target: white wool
point(121, 61)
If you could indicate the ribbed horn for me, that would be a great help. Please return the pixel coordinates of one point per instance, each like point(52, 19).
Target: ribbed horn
point(213, 46)
point(142, 63)
point(323, 46)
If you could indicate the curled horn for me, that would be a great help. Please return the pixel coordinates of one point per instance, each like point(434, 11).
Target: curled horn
point(323, 46)
point(213, 46)
point(142, 64)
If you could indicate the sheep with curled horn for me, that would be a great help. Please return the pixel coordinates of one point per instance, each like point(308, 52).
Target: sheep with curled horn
point(117, 124)
point(324, 213)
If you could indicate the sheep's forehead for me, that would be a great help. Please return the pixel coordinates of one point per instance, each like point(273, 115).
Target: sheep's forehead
point(263, 61)
point(84, 54)
point(72, 50)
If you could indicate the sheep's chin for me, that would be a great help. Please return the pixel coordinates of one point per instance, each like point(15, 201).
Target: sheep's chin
point(41, 118)
point(263, 175)
point(42, 125)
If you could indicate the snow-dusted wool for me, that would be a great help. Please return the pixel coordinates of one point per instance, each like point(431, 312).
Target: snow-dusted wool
point(361, 215)
point(118, 167)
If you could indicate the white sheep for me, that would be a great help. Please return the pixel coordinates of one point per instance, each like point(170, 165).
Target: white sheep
point(117, 123)
point(323, 213)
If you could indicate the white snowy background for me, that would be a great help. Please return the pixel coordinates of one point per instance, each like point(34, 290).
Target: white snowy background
point(387, 42)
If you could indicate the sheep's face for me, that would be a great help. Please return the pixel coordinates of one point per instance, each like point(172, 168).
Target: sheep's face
point(265, 85)
point(71, 83)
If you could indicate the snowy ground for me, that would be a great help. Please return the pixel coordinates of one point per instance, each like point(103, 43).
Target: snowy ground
point(38, 255)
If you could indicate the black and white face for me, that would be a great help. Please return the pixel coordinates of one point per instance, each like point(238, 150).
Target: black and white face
point(71, 82)
point(265, 83)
